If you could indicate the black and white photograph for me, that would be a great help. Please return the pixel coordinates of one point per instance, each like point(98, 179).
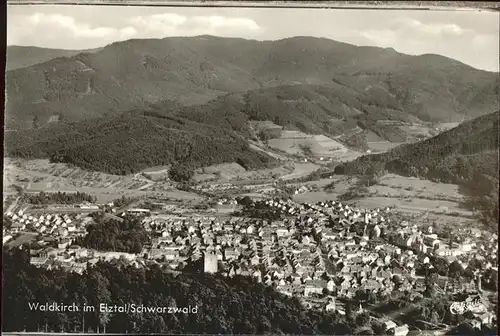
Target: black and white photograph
point(251, 168)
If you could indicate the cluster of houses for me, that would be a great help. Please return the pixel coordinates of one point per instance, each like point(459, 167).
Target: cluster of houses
point(462, 245)
point(49, 226)
point(478, 245)
point(301, 190)
point(76, 259)
point(55, 234)
point(317, 251)
point(227, 201)
point(240, 186)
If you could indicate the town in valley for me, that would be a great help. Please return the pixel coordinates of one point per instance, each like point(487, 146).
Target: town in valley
point(251, 170)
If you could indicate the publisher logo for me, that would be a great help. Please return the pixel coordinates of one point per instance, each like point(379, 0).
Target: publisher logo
point(475, 306)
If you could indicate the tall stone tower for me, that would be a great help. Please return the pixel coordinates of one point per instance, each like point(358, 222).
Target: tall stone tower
point(478, 283)
point(210, 263)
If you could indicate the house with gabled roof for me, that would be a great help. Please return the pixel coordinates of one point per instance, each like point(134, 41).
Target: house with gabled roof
point(389, 325)
point(401, 330)
point(314, 286)
point(231, 253)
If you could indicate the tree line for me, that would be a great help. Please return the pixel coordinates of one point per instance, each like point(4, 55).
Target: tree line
point(466, 155)
point(58, 198)
point(225, 305)
point(111, 235)
point(135, 141)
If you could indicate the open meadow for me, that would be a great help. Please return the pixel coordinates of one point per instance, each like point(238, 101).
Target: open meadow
point(408, 195)
point(298, 143)
point(35, 176)
point(382, 146)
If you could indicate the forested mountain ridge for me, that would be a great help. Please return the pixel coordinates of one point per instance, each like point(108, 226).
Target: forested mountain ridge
point(24, 56)
point(210, 133)
point(315, 109)
point(224, 305)
point(134, 141)
point(467, 155)
point(448, 156)
point(135, 73)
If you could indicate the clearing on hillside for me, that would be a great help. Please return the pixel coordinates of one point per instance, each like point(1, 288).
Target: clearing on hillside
point(298, 143)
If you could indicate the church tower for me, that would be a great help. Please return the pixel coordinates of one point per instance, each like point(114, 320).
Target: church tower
point(210, 263)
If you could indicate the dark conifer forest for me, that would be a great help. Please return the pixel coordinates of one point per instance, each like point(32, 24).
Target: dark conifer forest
point(134, 141)
point(110, 235)
point(466, 155)
point(225, 305)
point(58, 198)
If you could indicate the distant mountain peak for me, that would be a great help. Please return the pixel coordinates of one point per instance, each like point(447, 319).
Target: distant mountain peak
point(133, 73)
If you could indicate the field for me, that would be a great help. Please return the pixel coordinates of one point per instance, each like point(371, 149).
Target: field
point(156, 173)
point(410, 195)
point(266, 125)
point(35, 176)
point(292, 142)
point(382, 146)
point(298, 143)
point(38, 174)
point(342, 184)
point(314, 197)
point(233, 172)
point(157, 169)
point(419, 130)
point(301, 170)
point(268, 151)
point(414, 205)
point(372, 137)
point(427, 130)
point(446, 126)
point(254, 195)
point(425, 187)
point(41, 175)
point(440, 201)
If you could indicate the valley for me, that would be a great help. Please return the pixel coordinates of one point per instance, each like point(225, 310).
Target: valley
point(441, 201)
point(295, 179)
point(299, 161)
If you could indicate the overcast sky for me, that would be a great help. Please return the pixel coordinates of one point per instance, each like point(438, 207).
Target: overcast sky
point(468, 36)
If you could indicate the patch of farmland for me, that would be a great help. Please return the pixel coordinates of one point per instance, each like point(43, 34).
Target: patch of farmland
point(267, 151)
point(414, 184)
point(301, 170)
point(43, 175)
point(371, 136)
point(417, 130)
point(204, 177)
point(226, 169)
point(382, 146)
point(447, 126)
point(232, 172)
point(329, 144)
point(314, 197)
point(293, 142)
point(321, 183)
point(254, 195)
point(159, 173)
point(38, 177)
point(157, 169)
point(414, 204)
point(264, 125)
point(294, 146)
point(350, 155)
